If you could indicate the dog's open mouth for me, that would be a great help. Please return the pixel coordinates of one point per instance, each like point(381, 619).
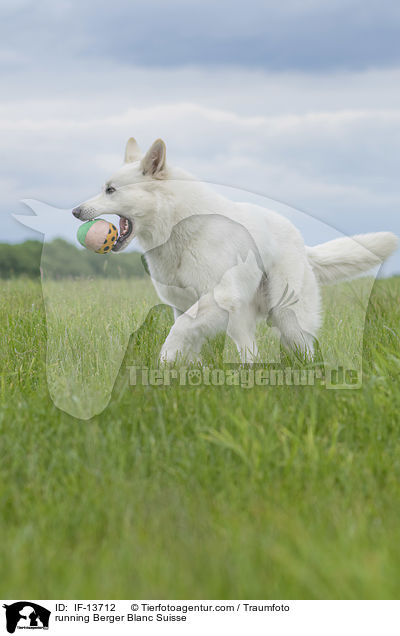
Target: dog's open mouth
point(125, 231)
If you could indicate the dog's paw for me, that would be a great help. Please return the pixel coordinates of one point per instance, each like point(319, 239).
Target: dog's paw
point(170, 355)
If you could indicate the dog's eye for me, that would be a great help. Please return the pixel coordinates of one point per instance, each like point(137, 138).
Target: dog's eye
point(110, 190)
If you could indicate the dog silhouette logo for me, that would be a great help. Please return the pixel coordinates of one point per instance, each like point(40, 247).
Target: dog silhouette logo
point(26, 615)
point(88, 331)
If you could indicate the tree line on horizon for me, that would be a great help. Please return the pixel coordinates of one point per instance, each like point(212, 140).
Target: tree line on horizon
point(60, 259)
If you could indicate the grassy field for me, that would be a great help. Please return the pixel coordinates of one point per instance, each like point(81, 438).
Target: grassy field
point(196, 491)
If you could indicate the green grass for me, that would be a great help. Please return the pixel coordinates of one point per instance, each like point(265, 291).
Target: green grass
point(191, 492)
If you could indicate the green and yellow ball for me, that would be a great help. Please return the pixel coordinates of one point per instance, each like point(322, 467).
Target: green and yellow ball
point(98, 235)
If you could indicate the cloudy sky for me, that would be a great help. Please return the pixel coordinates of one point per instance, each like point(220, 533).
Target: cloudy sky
point(295, 101)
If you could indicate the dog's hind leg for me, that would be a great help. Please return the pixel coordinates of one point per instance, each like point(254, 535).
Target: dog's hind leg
point(283, 316)
point(294, 338)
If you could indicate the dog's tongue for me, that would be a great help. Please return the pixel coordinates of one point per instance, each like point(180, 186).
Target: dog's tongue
point(123, 226)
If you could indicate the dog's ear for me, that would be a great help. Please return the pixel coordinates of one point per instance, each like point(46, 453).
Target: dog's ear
point(153, 163)
point(132, 151)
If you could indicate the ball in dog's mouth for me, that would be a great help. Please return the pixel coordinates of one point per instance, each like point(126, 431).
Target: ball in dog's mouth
point(125, 231)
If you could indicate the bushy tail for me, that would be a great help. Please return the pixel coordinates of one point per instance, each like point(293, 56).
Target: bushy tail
point(347, 257)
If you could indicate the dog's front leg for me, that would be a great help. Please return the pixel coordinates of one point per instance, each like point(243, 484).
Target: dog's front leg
point(242, 329)
point(205, 319)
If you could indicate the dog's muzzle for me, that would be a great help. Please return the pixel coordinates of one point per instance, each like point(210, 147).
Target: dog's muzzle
point(77, 212)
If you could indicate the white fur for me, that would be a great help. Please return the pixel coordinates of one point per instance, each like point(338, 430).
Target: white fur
point(348, 256)
point(193, 258)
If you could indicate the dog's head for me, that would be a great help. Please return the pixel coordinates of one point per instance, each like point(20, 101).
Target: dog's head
point(130, 192)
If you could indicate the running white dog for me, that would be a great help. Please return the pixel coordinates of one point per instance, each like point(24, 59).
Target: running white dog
point(221, 265)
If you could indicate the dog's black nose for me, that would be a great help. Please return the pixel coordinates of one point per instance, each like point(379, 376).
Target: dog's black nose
point(77, 212)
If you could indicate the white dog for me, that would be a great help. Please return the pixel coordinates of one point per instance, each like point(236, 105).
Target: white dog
point(222, 265)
